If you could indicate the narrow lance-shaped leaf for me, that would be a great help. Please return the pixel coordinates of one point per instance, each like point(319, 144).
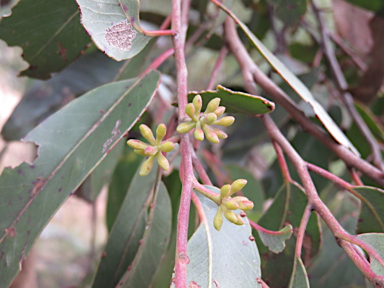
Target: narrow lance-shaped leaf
point(117, 29)
point(72, 142)
point(225, 258)
point(236, 102)
point(50, 33)
point(154, 243)
point(297, 85)
point(299, 278)
point(128, 229)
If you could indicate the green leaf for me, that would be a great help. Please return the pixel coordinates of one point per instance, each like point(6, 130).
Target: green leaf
point(371, 120)
point(299, 278)
point(236, 102)
point(276, 242)
point(113, 17)
point(72, 143)
point(289, 11)
point(287, 208)
point(101, 176)
point(373, 5)
point(49, 32)
point(225, 258)
point(6, 6)
point(154, 245)
point(128, 229)
point(375, 240)
point(371, 218)
point(297, 85)
point(126, 167)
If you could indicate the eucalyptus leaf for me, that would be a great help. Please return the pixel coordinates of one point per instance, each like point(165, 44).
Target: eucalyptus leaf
point(236, 102)
point(299, 278)
point(225, 258)
point(289, 11)
point(72, 142)
point(276, 242)
point(117, 30)
point(50, 33)
point(127, 230)
point(154, 243)
point(375, 240)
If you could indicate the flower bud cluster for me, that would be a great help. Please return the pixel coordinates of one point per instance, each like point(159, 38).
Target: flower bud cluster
point(202, 121)
point(228, 204)
point(154, 149)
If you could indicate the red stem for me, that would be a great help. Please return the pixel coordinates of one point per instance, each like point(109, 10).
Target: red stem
point(355, 177)
point(262, 229)
point(159, 60)
point(200, 169)
point(301, 231)
point(263, 284)
point(156, 33)
point(223, 53)
point(282, 163)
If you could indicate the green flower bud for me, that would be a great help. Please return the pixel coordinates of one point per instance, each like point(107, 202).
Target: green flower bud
point(137, 144)
point(139, 151)
point(147, 166)
point(219, 111)
point(147, 133)
point(212, 105)
point(198, 103)
point(190, 110)
point(220, 134)
point(230, 204)
point(218, 220)
point(230, 215)
point(238, 185)
point(210, 134)
point(225, 121)
point(160, 133)
point(150, 151)
point(199, 133)
point(166, 146)
point(224, 191)
point(163, 162)
point(239, 220)
point(210, 118)
point(185, 127)
point(245, 205)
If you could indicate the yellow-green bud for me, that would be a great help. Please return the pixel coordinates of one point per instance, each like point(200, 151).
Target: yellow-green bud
point(166, 146)
point(147, 133)
point(139, 151)
point(245, 205)
point(225, 121)
point(190, 110)
point(220, 134)
point(163, 162)
point(199, 133)
point(219, 111)
point(185, 127)
point(137, 144)
point(230, 204)
point(160, 133)
point(231, 216)
point(218, 220)
point(239, 220)
point(210, 118)
point(224, 191)
point(198, 103)
point(147, 166)
point(210, 134)
point(212, 105)
point(150, 151)
point(238, 185)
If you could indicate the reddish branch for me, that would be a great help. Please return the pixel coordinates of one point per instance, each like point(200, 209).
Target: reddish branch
point(253, 75)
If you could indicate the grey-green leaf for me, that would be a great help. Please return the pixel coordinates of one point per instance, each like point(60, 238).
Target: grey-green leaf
point(236, 102)
point(117, 30)
point(375, 240)
point(225, 258)
point(72, 142)
point(276, 242)
point(128, 229)
point(154, 244)
point(50, 33)
point(299, 278)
